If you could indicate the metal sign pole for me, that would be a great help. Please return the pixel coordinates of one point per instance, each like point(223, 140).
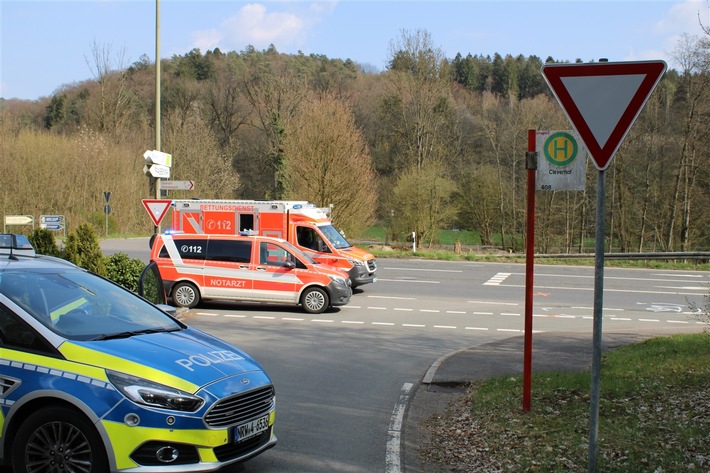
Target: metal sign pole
point(531, 165)
point(597, 333)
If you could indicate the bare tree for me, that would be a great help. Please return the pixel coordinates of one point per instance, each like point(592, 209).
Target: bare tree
point(326, 161)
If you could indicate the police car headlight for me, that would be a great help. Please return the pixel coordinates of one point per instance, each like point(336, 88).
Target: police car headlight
point(338, 280)
point(149, 393)
point(356, 262)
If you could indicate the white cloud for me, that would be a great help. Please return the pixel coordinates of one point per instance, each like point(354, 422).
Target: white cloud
point(683, 18)
point(255, 25)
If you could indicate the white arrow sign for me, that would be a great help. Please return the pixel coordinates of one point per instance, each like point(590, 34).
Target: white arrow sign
point(158, 170)
point(158, 157)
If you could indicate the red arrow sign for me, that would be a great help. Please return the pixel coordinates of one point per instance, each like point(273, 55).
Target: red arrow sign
point(157, 208)
point(602, 100)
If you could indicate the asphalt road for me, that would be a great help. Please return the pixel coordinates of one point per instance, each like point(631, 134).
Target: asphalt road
point(340, 376)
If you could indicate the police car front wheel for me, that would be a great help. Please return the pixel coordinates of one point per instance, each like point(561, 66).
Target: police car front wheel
point(57, 438)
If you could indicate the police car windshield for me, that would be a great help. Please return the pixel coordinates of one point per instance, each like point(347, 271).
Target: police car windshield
point(82, 306)
point(334, 237)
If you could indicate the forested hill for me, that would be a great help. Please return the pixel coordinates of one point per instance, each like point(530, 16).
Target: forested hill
point(431, 142)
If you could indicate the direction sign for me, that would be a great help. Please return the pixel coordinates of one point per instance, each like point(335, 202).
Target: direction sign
point(158, 170)
point(602, 100)
point(157, 208)
point(158, 157)
point(177, 185)
point(18, 219)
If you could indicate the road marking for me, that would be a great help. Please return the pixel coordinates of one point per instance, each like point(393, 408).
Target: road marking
point(352, 322)
point(493, 302)
point(393, 456)
point(393, 297)
point(409, 280)
point(455, 311)
point(430, 270)
point(497, 279)
point(476, 328)
point(482, 313)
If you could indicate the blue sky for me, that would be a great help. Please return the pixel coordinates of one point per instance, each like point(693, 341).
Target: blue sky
point(47, 44)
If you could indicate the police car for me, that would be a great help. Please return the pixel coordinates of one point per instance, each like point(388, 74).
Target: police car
point(94, 378)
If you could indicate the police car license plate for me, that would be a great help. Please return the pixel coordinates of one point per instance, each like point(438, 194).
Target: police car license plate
point(250, 429)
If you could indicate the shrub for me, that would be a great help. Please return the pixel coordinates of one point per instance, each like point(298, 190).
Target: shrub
point(124, 270)
point(82, 248)
point(44, 242)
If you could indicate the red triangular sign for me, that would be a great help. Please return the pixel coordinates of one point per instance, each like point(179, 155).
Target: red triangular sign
point(602, 100)
point(157, 208)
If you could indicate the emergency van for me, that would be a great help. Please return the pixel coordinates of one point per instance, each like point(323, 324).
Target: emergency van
point(95, 378)
point(197, 267)
point(300, 223)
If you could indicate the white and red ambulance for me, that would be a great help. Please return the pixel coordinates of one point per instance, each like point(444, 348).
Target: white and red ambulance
point(197, 267)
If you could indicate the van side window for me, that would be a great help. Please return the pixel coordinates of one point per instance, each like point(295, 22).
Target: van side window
point(191, 248)
point(274, 255)
point(246, 222)
point(233, 251)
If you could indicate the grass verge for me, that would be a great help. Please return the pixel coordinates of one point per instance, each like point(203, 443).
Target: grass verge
point(654, 416)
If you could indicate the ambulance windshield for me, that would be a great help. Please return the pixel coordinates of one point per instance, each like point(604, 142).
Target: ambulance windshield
point(334, 237)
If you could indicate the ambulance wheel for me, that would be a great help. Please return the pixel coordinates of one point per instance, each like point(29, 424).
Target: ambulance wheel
point(186, 295)
point(315, 300)
point(58, 439)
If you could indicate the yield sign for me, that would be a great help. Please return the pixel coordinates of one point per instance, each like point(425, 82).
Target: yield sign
point(602, 100)
point(157, 208)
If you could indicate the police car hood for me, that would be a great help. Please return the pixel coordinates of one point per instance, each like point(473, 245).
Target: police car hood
point(188, 354)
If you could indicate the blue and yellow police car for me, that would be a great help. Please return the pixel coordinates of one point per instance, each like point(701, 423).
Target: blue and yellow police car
point(94, 378)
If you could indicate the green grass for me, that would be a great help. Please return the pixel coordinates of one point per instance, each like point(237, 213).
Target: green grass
point(654, 413)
